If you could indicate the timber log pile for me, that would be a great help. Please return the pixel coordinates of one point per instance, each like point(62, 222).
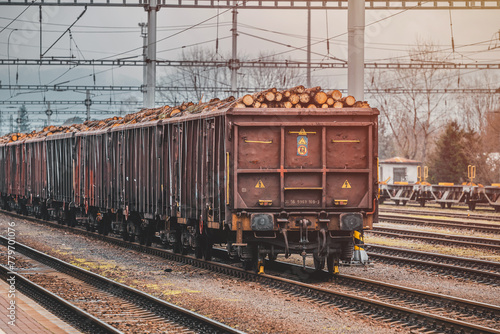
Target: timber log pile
point(297, 97)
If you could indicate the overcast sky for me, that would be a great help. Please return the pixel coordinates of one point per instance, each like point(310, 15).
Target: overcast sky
point(112, 33)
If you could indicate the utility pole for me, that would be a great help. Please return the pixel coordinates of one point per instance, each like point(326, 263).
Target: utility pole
point(234, 63)
point(356, 48)
point(152, 9)
point(144, 35)
point(11, 124)
point(88, 103)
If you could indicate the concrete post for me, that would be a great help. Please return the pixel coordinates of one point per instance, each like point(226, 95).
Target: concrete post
point(356, 48)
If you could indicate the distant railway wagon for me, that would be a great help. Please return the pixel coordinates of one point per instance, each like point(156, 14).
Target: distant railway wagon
point(445, 194)
point(260, 181)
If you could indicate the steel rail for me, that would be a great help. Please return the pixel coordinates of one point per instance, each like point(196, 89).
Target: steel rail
point(64, 310)
point(385, 212)
point(438, 238)
point(405, 219)
point(477, 270)
point(426, 299)
point(179, 315)
point(359, 304)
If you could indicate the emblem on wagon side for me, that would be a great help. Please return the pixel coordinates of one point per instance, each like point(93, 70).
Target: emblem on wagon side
point(302, 142)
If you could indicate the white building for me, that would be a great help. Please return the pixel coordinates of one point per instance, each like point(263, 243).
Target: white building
point(398, 169)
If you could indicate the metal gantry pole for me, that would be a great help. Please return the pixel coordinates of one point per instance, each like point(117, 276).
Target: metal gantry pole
point(356, 48)
point(151, 59)
point(234, 64)
point(48, 112)
point(309, 47)
point(88, 103)
point(144, 35)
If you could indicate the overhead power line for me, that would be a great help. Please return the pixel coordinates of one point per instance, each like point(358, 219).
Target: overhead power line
point(275, 4)
point(242, 90)
point(251, 64)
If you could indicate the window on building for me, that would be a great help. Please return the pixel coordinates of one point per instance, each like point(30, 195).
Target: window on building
point(400, 174)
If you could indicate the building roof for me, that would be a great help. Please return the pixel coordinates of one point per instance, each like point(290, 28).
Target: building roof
point(400, 160)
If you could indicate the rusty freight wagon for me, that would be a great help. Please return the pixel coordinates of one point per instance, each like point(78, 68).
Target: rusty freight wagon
point(260, 181)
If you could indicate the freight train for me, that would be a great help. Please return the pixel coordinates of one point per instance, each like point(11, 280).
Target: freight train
point(258, 181)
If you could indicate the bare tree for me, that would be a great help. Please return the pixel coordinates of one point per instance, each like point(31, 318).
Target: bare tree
point(475, 107)
point(414, 116)
point(192, 83)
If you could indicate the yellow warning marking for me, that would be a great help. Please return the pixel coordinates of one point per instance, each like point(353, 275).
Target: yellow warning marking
point(302, 132)
point(302, 141)
point(260, 184)
point(345, 141)
point(346, 185)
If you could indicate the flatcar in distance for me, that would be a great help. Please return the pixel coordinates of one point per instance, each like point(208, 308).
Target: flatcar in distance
point(262, 181)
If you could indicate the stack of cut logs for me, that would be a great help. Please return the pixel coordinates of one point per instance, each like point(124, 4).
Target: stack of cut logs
point(297, 97)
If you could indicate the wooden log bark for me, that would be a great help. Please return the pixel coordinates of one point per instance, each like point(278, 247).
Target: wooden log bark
point(278, 97)
point(330, 101)
point(294, 99)
point(288, 104)
point(247, 100)
point(349, 100)
point(298, 90)
point(270, 96)
point(335, 94)
point(320, 97)
point(338, 104)
point(304, 98)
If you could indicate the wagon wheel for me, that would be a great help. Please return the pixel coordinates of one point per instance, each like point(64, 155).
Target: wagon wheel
point(330, 263)
point(404, 203)
point(89, 225)
point(130, 231)
point(448, 205)
point(125, 235)
point(397, 202)
point(252, 264)
point(422, 202)
point(149, 236)
point(442, 205)
point(207, 246)
point(176, 245)
point(319, 262)
point(472, 205)
point(198, 249)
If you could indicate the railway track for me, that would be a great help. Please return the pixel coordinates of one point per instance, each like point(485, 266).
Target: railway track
point(375, 308)
point(441, 212)
point(447, 306)
point(64, 310)
point(438, 238)
point(116, 304)
point(435, 222)
point(480, 271)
